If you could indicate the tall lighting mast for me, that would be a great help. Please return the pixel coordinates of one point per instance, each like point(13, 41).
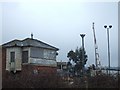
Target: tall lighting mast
point(83, 58)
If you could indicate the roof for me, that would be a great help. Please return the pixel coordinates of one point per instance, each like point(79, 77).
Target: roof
point(29, 42)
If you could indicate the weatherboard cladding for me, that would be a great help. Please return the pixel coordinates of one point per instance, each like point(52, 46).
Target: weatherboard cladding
point(29, 42)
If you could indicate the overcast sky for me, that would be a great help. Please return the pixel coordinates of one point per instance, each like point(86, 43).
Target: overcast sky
point(60, 24)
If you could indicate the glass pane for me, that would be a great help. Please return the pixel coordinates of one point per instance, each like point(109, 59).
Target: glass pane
point(12, 56)
point(25, 57)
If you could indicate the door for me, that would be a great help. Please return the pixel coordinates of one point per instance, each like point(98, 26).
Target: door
point(12, 60)
point(24, 56)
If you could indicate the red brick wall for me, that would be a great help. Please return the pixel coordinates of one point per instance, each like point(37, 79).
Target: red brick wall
point(27, 77)
point(3, 58)
point(4, 76)
point(41, 70)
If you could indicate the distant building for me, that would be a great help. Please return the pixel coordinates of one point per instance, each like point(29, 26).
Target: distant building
point(28, 56)
point(62, 69)
point(62, 65)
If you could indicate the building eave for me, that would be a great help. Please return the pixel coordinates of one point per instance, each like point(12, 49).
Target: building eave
point(21, 41)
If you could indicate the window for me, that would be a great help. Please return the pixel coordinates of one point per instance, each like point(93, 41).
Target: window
point(12, 56)
point(24, 56)
point(36, 52)
point(49, 54)
point(53, 55)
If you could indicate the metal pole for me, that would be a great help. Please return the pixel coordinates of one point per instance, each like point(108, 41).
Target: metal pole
point(82, 35)
point(110, 26)
point(61, 65)
point(108, 50)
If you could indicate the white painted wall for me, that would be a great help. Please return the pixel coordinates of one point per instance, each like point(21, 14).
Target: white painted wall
point(43, 62)
point(18, 57)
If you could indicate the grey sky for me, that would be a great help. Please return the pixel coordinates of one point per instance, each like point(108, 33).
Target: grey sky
point(60, 24)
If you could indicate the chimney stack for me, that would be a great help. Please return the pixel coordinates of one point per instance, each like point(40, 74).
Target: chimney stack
point(31, 35)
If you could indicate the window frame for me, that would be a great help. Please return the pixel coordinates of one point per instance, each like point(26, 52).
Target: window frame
point(12, 56)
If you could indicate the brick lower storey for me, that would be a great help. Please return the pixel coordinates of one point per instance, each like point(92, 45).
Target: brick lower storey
point(29, 75)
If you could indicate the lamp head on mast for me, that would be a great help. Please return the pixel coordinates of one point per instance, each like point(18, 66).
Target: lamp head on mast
point(82, 35)
point(93, 25)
